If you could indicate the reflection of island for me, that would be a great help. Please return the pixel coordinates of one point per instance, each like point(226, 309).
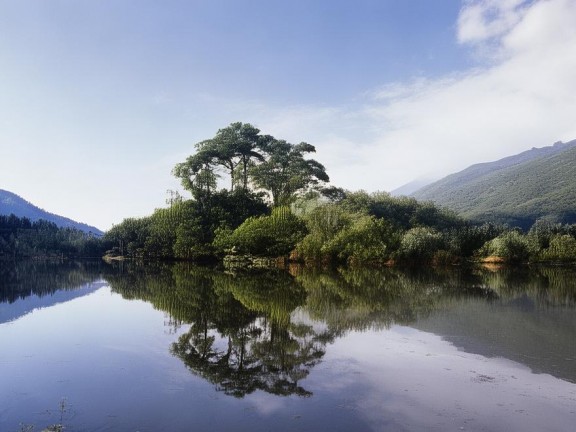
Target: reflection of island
point(266, 331)
point(241, 336)
point(29, 285)
point(263, 350)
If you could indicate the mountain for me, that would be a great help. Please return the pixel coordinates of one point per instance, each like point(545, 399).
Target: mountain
point(518, 190)
point(10, 203)
point(411, 187)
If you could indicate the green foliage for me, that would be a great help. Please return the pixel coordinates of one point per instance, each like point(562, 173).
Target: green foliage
point(330, 225)
point(323, 223)
point(273, 235)
point(192, 242)
point(403, 212)
point(366, 240)
point(20, 237)
point(512, 246)
point(129, 236)
point(233, 148)
point(419, 244)
point(561, 248)
point(251, 160)
point(464, 241)
point(517, 190)
point(364, 228)
point(186, 229)
point(286, 171)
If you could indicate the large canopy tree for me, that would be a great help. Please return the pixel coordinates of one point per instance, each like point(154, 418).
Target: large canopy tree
point(286, 171)
point(232, 148)
point(251, 160)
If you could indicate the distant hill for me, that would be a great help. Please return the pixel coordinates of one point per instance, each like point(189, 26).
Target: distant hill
point(410, 188)
point(10, 203)
point(518, 190)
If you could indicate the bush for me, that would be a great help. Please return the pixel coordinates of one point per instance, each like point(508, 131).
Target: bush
point(366, 240)
point(323, 224)
point(419, 244)
point(272, 235)
point(511, 246)
point(562, 248)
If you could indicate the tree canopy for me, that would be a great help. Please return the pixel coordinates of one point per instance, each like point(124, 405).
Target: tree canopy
point(251, 161)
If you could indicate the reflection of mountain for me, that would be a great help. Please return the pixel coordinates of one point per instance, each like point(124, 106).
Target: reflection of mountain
point(23, 306)
point(28, 285)
point(519, 330)
point(526, 315)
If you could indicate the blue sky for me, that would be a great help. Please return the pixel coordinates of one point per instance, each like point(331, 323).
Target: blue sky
point(99, 99)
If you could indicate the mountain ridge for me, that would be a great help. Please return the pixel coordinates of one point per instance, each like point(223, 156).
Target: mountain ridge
point(11, 203)
point(517, 190)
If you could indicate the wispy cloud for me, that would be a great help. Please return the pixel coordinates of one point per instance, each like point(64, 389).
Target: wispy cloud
point(521, 98)
point(482, 20)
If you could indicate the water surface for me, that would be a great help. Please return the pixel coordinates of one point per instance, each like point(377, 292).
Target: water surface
point(177, 348)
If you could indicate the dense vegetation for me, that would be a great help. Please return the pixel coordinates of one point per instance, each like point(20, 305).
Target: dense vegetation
point(518, 190)
point(279, 204)
point(20, 237)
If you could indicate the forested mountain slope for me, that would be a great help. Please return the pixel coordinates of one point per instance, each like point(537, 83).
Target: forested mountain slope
point(538, 183)
point(10, 203)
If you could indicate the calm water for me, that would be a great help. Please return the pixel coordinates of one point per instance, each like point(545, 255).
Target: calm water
point(180, 348)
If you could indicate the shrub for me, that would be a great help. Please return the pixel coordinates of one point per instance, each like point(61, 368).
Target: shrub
point(512, 246)
point(419, 244)
point(323, 224)
point(365, 240)
point(272, 235)
point(562, 248)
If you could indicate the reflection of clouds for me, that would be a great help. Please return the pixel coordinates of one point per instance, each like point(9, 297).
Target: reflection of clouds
point(266, 405)
point(421, 382)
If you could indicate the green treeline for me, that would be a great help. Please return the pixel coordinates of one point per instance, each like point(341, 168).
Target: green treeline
point(20, 237)
point(279, 203)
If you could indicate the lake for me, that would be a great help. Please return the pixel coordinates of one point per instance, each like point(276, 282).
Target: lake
point(132, 347)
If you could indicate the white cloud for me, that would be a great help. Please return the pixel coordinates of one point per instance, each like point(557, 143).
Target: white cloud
point(519, 95)
point(434, 127)
point(482, 20)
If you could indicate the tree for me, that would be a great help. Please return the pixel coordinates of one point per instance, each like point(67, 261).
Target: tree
point(419, 244)
point(235, 146)
point(273, 235)
point(285, 172)
point(197, 172)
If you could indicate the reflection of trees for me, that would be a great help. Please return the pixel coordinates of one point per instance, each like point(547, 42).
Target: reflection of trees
point(545, 285)
point(22, 279)
point(261, 331)
point(241, 335)
point(358, 299)
point(266, 351)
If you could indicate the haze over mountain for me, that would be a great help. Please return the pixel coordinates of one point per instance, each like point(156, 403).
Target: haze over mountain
point(411, 187)
point(10, 203)
point(518, 190)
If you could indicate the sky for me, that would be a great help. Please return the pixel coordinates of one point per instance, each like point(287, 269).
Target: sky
point(100, 99)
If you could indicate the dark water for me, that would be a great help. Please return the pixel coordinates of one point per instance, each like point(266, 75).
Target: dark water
point(95, 347)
